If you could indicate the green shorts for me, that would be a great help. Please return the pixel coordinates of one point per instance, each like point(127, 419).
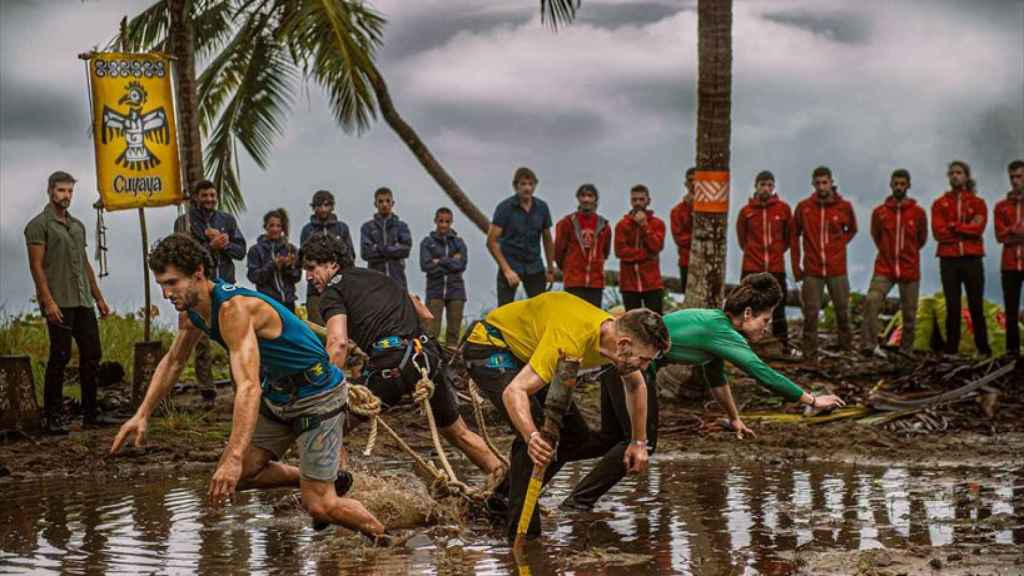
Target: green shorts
point(319, 448)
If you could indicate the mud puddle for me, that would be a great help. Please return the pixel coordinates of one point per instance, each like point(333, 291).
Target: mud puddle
point(685, 516)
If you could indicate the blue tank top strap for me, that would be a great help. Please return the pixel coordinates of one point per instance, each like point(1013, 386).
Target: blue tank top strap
point(296, 358)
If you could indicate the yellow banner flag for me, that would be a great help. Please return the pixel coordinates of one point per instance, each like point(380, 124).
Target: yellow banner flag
point(134, 130)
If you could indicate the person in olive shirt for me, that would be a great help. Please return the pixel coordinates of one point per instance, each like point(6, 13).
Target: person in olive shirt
point(707, 338)
point(67, 291)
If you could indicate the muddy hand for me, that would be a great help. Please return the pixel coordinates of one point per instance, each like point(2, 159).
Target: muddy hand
point(539, 450)
point(741, 429)
point(828, 401)
point(224, 481)
point(136, 426)
point(635, 459)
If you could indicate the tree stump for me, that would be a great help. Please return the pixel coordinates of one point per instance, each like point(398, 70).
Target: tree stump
point(18, 407)
point(147, 356)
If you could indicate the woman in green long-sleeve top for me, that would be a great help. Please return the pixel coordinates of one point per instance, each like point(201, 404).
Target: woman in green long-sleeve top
point(707, 338)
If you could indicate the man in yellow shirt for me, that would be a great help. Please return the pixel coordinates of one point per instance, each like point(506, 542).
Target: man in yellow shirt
point(512, 356)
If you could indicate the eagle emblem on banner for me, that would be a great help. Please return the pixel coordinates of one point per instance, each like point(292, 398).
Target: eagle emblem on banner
point(136, 127)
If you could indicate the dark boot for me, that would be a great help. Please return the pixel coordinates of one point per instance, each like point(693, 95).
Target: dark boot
point(55, 425)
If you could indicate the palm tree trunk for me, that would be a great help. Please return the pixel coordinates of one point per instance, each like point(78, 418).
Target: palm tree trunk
point(706, 283)
point(182, 47)
point(423, 154)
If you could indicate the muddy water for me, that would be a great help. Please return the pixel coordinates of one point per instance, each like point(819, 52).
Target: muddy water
point(684, 517)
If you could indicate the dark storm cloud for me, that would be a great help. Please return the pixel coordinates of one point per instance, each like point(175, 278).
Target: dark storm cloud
point(843, 27)
point(38, 113)
point(996, 136)
point(676, 97)
point(492, 124)
point(403, 38)
point(632, 14)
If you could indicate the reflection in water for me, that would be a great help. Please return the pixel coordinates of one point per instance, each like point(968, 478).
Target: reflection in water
point(684, 517)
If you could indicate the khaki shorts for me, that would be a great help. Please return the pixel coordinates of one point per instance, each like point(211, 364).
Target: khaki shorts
point(319, 448)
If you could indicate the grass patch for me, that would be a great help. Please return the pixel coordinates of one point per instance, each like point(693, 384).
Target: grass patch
point(27, 334)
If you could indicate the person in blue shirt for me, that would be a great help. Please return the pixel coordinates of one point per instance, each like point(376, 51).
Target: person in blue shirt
point(272, 262)
point(520, 222)
point(443, 257)
point(322, 221)
point(385, 241)
point(287, 389)
point(218, 233)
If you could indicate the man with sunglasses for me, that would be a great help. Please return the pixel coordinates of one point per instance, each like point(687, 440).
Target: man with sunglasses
point(323, 221)
point(512, 356)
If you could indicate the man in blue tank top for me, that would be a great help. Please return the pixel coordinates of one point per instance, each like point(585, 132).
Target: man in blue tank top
point(287, 390)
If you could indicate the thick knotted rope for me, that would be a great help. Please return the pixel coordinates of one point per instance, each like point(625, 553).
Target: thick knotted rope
point(363, 402)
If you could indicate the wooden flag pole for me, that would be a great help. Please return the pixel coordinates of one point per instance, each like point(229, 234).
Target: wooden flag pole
point(147, 319)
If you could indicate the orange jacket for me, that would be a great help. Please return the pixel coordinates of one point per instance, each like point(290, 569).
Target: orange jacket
point(681, 219)
point(763, 232)
point(638, 248)
point(958, 221)
point(900, 230)
point(825, 228)
point(1009, 215)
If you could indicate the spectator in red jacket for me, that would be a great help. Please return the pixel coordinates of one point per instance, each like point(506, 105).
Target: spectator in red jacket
point(899, 228)
point(958, 221)
point(825, 224)
point(763, 230)
point(1009, 221)
point(583, 241)
point(639, 238)
point(681, 219)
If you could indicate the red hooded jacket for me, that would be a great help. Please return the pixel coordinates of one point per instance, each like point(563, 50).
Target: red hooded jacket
point(825, 227)
point(681, 219)
point(1009, 214)
point(958, 221)
point(637, 248)
point(582, 267)
point(763, 231)
point(900, 230)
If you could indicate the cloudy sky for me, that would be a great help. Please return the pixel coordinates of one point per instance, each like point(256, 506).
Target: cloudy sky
point(610, 100)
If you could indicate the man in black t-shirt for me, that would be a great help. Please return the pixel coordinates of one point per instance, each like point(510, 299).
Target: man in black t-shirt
point(378, 315)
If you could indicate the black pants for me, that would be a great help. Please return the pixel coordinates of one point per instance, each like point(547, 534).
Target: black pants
point(969, 271)
point(651, 299)
point(779, 327)
point(534, 284)
point(1012, 281)
point(684, 271)
point(80, 324)
point(615, 436)
point(593, 295)
point(578, 441)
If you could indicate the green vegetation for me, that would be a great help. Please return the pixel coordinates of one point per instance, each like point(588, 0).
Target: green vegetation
point(27, 334)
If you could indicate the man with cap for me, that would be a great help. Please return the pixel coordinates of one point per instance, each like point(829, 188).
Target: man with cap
point(763, 232)
point(583, 241)
point(66, 289)
point(323, 221)
point(899, 228)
